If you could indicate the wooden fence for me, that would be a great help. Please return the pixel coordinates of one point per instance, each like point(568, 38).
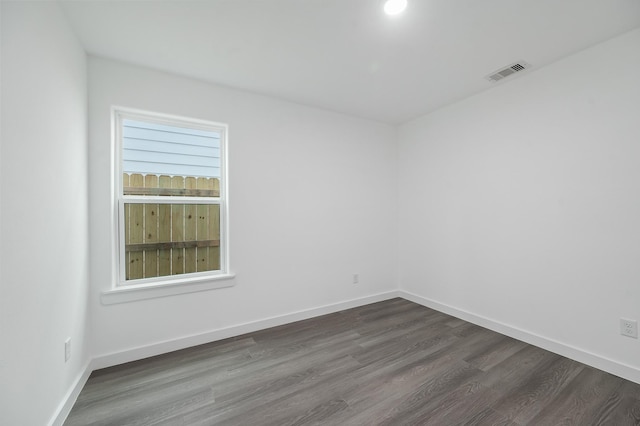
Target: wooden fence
point(168, 239)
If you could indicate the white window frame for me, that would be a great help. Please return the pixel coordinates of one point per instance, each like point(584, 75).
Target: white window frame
point(144, 288)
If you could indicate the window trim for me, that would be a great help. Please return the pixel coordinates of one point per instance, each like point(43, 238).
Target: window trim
point(134, 292)
point(123, 290)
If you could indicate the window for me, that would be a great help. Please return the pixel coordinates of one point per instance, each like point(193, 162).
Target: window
point(171, 197)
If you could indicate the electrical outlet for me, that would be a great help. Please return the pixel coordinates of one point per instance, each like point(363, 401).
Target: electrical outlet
point(356, 278)
point(629, 328)
point(67, 349)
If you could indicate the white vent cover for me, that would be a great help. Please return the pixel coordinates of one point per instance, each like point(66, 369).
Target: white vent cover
point(507, 71)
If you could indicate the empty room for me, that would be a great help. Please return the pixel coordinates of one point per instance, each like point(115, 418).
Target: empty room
point(320, 212)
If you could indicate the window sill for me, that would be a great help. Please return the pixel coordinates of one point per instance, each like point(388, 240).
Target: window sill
point(132, 293)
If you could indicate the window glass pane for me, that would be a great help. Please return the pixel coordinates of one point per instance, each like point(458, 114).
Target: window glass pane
point(164, 185)
point(170, 239)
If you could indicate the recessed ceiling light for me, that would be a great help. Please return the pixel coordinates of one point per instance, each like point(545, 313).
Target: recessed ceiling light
point(393, 7)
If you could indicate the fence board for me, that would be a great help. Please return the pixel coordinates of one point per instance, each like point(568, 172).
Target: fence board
point(203, 227)
point(136, 232)
point(214, 229)
point(164, 232)
point(190, 223)
point(177, 229)
point(214, 233)
point(150, 230)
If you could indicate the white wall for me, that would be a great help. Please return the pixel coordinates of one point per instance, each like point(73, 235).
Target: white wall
point(298, 232)
point(44, 229)
point(521, 205)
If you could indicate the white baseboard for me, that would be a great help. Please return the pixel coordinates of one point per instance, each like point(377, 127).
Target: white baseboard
point(70, 398)
point(597, 361)
point(236, 330)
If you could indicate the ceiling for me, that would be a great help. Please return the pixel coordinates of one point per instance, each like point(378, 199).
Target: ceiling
point(347, 55)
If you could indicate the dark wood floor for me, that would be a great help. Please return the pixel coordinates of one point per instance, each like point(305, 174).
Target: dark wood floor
point(389, 363)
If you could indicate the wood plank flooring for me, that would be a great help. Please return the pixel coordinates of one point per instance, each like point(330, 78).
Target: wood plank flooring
point(389, 363)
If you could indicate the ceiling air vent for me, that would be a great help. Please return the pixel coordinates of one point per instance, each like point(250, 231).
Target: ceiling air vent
point(507, 71)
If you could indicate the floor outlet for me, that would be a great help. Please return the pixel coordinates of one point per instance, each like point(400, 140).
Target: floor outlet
point(67, 349)
point(629, 328)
